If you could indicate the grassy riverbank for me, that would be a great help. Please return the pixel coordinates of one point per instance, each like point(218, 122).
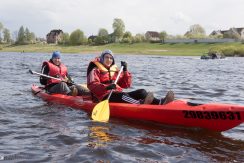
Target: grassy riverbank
point(181, 49)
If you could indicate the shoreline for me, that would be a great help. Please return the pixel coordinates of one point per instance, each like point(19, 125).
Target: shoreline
point(179, 49)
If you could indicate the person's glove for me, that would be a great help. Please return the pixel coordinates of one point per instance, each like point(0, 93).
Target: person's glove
point(123, 63)
point(69, 80)
point(111, 86)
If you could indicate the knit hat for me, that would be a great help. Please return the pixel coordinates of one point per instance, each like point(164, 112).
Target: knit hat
point(106, 52)
point(56, 54)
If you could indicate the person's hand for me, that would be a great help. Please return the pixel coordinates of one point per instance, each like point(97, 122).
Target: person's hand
point(68, 80)
point(111, 86)
point(123, 63)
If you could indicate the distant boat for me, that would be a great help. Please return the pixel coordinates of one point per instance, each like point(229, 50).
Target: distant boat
point(213, 55)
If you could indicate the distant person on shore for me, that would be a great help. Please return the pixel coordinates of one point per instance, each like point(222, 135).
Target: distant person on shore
point(101, 74)
point(55, 68)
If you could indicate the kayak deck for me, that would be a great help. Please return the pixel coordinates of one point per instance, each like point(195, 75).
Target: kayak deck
point(212, 116)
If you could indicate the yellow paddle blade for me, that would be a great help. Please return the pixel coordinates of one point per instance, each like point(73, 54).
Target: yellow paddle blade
point(101, 111)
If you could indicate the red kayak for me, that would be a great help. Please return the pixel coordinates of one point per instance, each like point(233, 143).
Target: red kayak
point(212, 116)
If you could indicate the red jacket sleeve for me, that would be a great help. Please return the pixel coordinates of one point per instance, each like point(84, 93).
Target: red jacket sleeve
point(94, 84)
point(125, 80)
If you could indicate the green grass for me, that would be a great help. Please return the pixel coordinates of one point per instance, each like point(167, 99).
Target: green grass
point(179, 49)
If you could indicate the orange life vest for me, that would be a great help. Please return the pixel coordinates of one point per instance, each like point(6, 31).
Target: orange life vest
point(107, 75)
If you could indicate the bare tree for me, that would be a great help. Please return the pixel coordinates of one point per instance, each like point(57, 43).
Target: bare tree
point(1, 28)
point(6, 35)
point(102, 32)
point(162, 36)
point(196, 31)
point(119, 28)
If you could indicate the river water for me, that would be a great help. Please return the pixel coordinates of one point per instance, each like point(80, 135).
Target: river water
point(33, 130)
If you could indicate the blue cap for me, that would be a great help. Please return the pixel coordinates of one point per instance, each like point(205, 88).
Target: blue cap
point(56, 54)
point(106, 52)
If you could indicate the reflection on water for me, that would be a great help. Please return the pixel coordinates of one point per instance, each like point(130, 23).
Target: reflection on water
point(33, 130)
point(99, 136)
point(184, 142)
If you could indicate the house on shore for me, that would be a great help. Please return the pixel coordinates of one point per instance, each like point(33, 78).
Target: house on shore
point(152, 36)
point(92, 38)
point(54, 36)
point(237, 33)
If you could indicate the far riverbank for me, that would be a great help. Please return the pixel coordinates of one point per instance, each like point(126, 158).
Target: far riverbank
point(179, 49)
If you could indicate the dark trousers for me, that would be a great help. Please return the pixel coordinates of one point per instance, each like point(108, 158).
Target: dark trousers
point(63, 88)
point(134, 97)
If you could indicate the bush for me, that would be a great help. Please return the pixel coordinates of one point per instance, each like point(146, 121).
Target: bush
point(101, 40)
point(155, 41)
point(229, 51)
point(239, 52)
point(126, 40)
point(214, 50)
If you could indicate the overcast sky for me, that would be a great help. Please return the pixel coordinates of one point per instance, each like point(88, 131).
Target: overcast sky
point(173, 16)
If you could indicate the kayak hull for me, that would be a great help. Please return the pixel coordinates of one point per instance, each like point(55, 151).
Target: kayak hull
point(212, 116)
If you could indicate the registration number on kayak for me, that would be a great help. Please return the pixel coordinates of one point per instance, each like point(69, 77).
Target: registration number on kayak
point(212, 115)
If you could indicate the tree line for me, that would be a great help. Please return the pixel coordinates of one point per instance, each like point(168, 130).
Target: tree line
point(119, 35)
point(23, 36)
point(6, 34)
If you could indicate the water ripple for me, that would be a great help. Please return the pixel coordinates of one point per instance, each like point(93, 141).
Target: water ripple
point(33, 130)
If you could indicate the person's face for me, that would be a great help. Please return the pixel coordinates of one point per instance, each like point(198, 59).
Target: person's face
point(108, 60)
point(56, 61)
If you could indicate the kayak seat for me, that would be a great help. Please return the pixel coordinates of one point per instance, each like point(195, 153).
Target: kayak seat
point(193, 104)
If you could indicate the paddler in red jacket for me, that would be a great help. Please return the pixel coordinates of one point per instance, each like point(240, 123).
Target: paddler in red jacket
point(55, 68)
point(101, 74)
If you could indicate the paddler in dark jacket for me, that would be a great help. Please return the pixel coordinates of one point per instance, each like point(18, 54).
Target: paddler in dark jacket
point(101, 74)
point(55, 68)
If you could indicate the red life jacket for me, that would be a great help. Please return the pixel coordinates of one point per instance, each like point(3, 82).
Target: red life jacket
point(55, 71)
